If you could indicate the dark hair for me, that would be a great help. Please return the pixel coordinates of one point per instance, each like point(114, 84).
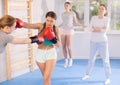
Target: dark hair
point(105, 8)
point(7, 20)
point(51, 14)
point(69, 4)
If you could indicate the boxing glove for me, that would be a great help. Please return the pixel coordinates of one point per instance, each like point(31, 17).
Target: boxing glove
point(37, 39)
point(49, 34)
point(19, 23)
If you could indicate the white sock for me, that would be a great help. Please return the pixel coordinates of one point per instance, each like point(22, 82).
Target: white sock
point(66, 63)
point(70, 62)
point(107, 81)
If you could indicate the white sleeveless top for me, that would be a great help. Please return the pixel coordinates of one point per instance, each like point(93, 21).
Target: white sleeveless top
point(68, 18)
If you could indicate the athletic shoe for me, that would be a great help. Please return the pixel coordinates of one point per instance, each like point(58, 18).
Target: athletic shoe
point(107, 81)
point(85, 77)
point(70, 62)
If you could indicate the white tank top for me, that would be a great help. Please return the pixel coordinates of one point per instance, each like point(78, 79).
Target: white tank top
point(68, 18)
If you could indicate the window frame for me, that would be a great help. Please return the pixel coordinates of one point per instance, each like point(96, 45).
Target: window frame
point(87, 15)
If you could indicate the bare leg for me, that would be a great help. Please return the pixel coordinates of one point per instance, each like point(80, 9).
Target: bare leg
point(63, 39)
point(46, 70)
point(69, 47)
point(49, 65)
point(41, 67)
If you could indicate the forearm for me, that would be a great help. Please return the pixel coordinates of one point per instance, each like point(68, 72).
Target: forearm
point(31, 26)
point(57, 44)
point(21, 41)
point(97, 29)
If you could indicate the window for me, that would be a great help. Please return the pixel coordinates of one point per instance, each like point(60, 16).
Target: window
point(85, 12)
point(115, 15)
point(94, 4)
point(78, 8)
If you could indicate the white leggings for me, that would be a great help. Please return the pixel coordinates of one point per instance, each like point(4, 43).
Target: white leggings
point(102, 47)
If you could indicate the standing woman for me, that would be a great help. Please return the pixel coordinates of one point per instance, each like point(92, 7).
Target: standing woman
point(99, 42)
point(46, 54)
point(68, 18)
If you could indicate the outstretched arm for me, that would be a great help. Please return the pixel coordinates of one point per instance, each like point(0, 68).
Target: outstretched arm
point(21, 41)
point(33, 39)
point(32, 26)
point(22, 24)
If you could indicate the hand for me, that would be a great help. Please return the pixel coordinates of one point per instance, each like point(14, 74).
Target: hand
point(84, 26)
point(96, 29)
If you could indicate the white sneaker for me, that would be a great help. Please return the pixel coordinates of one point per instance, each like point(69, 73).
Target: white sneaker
point(66, 63)
point(85, 77)
point(107, 81)
point(70, 63)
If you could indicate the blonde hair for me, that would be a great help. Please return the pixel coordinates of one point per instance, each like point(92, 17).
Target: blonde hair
point(7, 20)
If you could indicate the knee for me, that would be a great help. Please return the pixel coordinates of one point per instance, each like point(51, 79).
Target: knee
point(106, 61)
point(64, 47)
point(69, 47)
point(46, 78)
point(107, 64)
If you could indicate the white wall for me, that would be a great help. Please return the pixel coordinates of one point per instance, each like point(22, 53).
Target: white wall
point(81, 45)
point(114, 45)
point(3, 72)
point(81, 40)
point(39, 8)
point(0, 8)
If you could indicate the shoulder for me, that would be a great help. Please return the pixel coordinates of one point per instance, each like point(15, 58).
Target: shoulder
point(40, 25)
point(5, 36)
point(63, 13)
point(8, 38)
point(56, 28)
point(106, 19)
point(73, 13)
point(94, 17)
